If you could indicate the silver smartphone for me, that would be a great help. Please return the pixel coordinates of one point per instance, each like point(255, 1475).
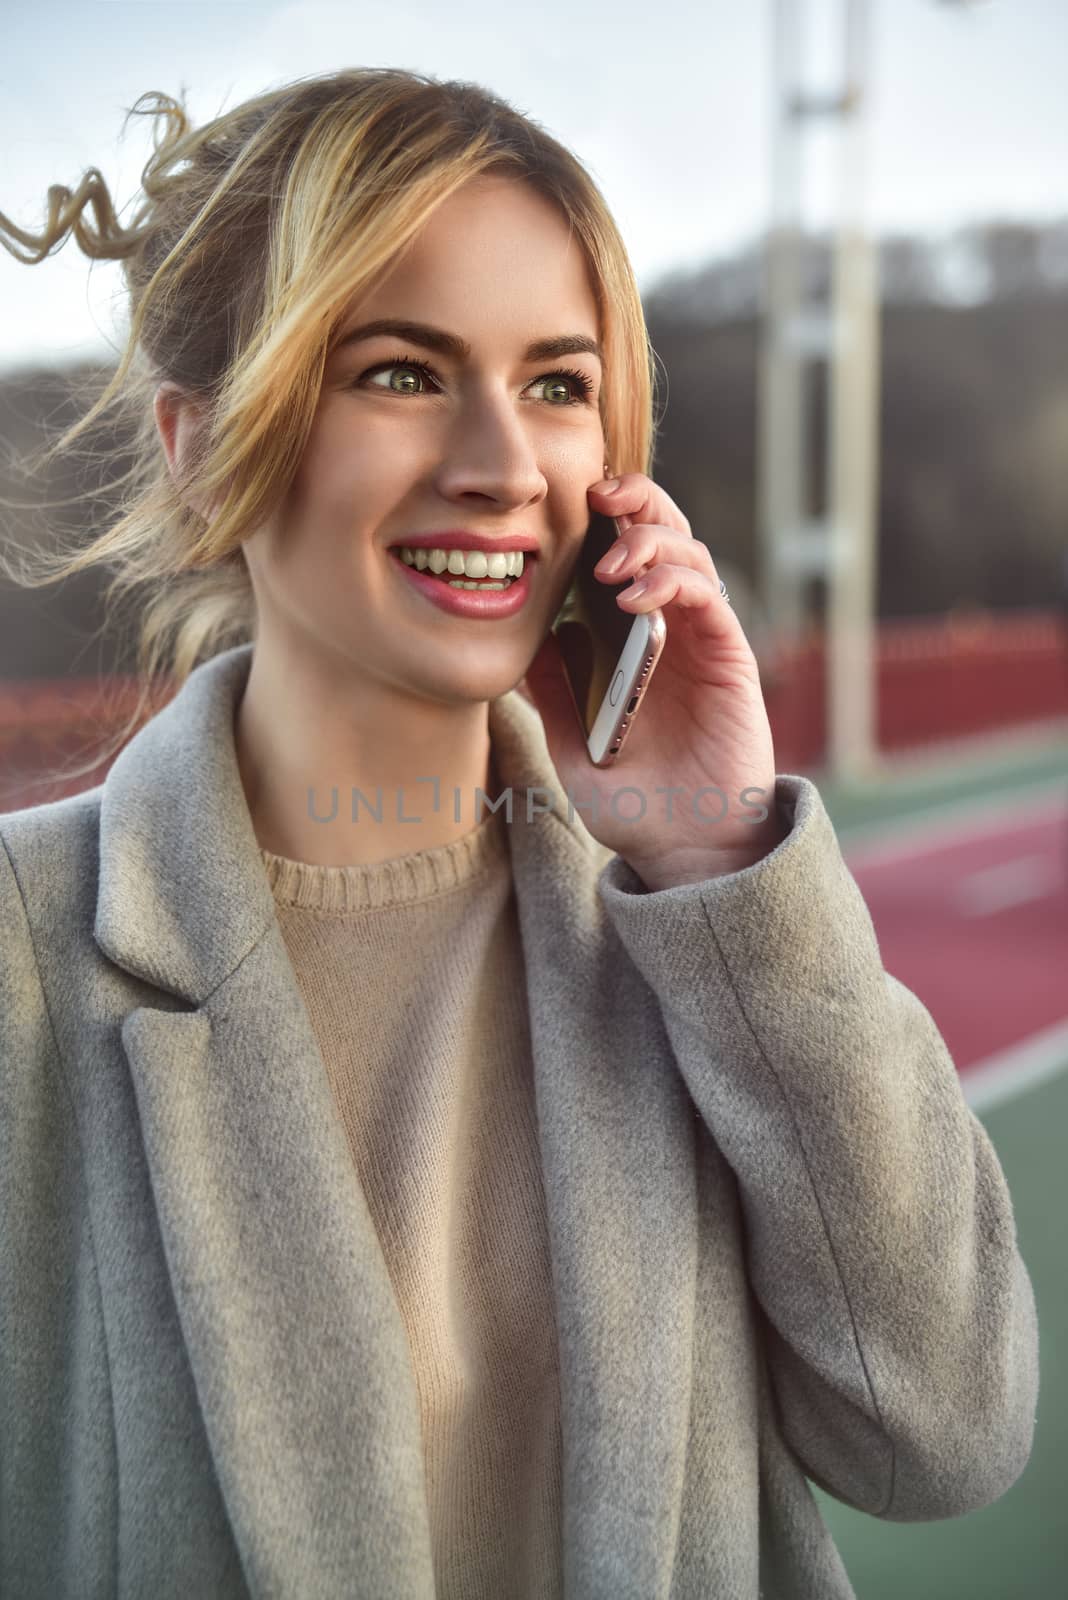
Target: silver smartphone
point(608, 655)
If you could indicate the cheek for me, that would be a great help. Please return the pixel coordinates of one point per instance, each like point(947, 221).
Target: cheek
point(323, 474)
point(349, 468)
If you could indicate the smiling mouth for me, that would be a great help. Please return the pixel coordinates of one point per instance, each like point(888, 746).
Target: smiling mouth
point(497, 582)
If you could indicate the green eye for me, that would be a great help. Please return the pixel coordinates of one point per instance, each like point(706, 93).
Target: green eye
point(581, 391)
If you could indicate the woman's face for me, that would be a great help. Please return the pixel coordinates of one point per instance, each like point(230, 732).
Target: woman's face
point(488, 443)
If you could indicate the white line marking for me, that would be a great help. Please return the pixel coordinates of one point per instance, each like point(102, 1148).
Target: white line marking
point(1010, 883)
point(1012, 1072)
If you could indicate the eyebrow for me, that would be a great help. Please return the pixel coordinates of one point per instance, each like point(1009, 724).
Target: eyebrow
point(450, 344)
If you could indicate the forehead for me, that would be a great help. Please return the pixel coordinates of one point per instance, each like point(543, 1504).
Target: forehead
point(496, 254)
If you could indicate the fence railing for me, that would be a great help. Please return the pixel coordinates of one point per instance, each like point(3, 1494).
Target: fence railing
point(937, 679)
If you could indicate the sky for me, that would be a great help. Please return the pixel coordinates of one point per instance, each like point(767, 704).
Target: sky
point(668, 105)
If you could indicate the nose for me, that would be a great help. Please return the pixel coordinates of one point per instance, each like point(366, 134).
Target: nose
point(490, 452)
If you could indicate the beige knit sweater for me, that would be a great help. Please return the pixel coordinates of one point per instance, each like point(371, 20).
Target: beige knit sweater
point(412, 973)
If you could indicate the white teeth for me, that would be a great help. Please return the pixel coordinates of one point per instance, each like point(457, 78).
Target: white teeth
point(465, 563)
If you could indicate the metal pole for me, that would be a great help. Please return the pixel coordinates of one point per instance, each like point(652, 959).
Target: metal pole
point(852, 467)
point(780, 438)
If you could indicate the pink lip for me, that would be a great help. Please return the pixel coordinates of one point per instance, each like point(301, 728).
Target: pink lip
point(458, 539)
point(489, 605)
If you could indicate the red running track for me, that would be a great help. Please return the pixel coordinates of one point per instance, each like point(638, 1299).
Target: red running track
point(975, 923)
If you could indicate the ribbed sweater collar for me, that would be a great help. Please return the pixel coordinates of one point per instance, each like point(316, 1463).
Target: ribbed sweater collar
point(401, 879)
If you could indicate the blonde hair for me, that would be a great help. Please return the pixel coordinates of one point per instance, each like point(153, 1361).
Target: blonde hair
point(256, 232)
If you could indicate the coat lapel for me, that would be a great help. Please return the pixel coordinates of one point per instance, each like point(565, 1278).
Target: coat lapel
point(617, 1136)
point(295, 1339)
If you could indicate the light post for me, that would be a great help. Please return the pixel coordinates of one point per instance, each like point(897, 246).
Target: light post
point(838, 546)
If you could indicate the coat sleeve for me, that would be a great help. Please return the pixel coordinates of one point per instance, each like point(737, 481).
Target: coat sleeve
point(901, 1330)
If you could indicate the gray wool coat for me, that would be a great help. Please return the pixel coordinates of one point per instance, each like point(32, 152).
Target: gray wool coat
point(782, 1245)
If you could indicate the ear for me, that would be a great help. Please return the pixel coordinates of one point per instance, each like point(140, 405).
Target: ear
point(179, 420)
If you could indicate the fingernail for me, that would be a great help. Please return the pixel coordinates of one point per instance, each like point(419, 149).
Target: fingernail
point(612, 561)
point(609, 486)
point(635, 590)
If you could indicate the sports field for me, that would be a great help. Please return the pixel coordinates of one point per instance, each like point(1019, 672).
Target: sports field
point(964, 866)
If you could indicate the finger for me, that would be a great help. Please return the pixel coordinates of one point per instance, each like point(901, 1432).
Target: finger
point(643, 545)
point(642, 500)
point(710, 614)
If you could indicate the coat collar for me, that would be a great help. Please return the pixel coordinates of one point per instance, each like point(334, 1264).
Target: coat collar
point(294, 1335)
point(183, 895)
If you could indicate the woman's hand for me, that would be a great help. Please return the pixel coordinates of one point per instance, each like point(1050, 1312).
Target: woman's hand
point(702, 724)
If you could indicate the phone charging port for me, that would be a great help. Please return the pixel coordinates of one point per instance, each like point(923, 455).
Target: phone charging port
point(633, 703)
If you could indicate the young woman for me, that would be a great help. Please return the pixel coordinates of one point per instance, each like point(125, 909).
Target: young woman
point(399, 1200)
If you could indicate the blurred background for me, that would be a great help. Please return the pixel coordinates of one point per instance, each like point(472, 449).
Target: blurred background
point(849, 222)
